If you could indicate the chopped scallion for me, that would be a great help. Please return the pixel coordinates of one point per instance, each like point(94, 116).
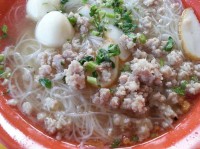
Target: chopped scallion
point(181, 89)
point(86, 59)
point(170, 44)
point(126, 68)
point(110, 15)
point(72, 20)
point(84, 1)
point(45, 83)
point(91, 66)
point(142, 39)
point(63, 1)
point(116, 143)
point(95, 33)
point(162, 62)
point(1, 58)
point(135, 138)
point(92, 81)
point(4, 30)
point(133, 37)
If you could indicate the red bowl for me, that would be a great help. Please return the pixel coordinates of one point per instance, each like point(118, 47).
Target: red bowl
point(16, 131)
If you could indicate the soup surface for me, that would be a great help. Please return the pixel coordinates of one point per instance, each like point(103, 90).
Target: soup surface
point(100, 72)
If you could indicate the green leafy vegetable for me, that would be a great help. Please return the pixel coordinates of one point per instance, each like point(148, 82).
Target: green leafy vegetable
point(125, 21)
point(97, 19)
point(2, 57)
point(142, 39)
point(135, 138)
point(102, 56)
point(4, 30)
point(63, 2)
point(4, 74)
point(92, 81)
point(113, 50)
point(1, 72)
point(116, 143)
point(126, 68)
point(107, 3)
point(6, 92)
point(84, 1)
point(91, 66)
point(72, 20)
point(154, 135)
point(86, 59)
point(113, 90)
point(95, 33)
point(105, 55)
point(46, 83)
point(195, 79)
point(110, 15)
point(95, 74)
point(162, 62)
point(117, 5)
point(1, 67)
point(170, 44)
point(181, 89)
point(133, 36)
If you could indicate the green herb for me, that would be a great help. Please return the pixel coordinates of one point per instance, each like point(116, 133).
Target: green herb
point(72, 20)
point(1, 58)
point(135, 138)
point(125, 22)
point(63, 2)
point(170, 44)
point(142, 39)
point(110, 15)
point(6, 92)
point(1, 72)
point(46, 83)
point(162, 62)
point(95, 74)
point(102, 56)
point(1, 67)
point(86, 59)
point(84, 1)
point(133, 36)
point(181, 89)
point(154, 135)
point(4, 74)
point(4, 30)
point(91, 66)
point(126, 68)
point(97, 19)
point(113, 50)
point(113, 90)
point(118, 6)
point(62, 63)
point(62, 5)
point(116, 143)
point(105, 55)
point(136, 9)
point(107, 3)
point(95, 33)
point(92, 81)
point(63, 79)
point(195, 79)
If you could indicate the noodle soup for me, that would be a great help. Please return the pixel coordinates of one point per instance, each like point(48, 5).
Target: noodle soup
point(105, 73)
